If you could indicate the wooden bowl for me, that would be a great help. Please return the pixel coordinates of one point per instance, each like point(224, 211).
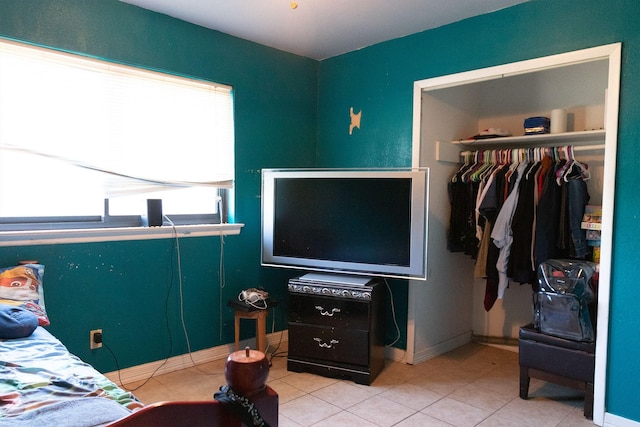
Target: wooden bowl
point(246, 371)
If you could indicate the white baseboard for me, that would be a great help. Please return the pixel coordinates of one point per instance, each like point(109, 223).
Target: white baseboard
point(395, 354)
point(441, 348)
point(176, 363)
point(611, 420)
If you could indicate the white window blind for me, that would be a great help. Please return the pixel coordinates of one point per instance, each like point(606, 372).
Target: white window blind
point(75, 131)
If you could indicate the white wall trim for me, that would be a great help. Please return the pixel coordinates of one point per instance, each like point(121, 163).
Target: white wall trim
point(441, 348)
point(611, 420)
point(611, 52)
point(50, 237)
point(395, 354)
point(606, 242)
point(184, 361)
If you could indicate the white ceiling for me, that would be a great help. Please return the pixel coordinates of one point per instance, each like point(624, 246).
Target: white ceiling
point(321, 29)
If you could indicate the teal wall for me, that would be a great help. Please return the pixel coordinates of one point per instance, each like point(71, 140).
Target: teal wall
point(379, 81)
point(292, 111)
point(130, 289)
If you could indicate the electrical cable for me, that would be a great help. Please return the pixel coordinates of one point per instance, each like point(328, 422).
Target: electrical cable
point(166, 317)
point(177, 241)
point(256, 298)
point(221, 279)
point(118, 370)
point(393, 313)
point(275, 353)
point(181, 294)
point(221, 272)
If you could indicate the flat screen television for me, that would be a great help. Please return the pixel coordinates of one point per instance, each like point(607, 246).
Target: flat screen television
point(360, 222)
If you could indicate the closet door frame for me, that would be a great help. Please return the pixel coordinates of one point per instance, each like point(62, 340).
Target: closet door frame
point(612, 53)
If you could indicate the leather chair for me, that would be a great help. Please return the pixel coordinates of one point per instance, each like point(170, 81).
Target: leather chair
point(557, 360)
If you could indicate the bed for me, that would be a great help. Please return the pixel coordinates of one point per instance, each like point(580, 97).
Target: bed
point(40, 379)
point(42, 383)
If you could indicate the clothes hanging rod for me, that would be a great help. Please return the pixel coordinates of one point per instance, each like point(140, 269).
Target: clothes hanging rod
point(575, 148)
point(589, 147)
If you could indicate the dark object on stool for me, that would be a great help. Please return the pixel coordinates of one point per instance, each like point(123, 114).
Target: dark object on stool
point(557, 360)
point(565, 303)
point(242, 310)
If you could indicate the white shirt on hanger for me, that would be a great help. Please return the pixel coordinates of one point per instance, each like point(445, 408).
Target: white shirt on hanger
point(502, 235)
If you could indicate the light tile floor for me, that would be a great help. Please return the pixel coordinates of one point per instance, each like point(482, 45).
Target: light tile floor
point(474, 385)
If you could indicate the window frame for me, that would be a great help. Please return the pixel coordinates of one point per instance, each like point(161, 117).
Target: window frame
point(15, 231)
point(86, 235)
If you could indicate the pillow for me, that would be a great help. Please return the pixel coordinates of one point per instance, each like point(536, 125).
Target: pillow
point(16, 322)
point(21, 286)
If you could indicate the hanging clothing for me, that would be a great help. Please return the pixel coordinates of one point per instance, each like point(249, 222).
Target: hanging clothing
point(548, 218)
point(513, 215)
point(462, 223)
point(519, 266)
point(489, 208)
point(578, 197)
point(502, 234)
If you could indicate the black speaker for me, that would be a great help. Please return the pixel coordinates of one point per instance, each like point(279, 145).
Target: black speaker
point(154, 213)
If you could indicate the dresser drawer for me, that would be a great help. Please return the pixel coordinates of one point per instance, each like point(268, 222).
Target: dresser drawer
point(329, 311)
point(329, 344)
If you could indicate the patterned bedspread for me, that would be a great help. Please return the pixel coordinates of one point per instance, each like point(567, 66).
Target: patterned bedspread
point(38, 371)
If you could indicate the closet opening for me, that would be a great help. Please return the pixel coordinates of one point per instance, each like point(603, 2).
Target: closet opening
point(449, 113)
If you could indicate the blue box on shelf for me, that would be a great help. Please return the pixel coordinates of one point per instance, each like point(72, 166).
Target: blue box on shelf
point(536, 125)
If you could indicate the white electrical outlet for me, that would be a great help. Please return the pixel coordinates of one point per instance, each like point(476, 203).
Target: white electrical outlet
point(92, 339)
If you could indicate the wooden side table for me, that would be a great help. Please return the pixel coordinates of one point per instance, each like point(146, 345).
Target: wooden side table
point(242, 310)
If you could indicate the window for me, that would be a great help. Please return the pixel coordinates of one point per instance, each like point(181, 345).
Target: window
point(84, 143)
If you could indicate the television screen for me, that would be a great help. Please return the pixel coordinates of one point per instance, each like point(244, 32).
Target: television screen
point(369, 222)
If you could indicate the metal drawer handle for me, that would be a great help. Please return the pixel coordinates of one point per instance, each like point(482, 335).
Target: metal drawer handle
point(327, 313)
point(325, 345)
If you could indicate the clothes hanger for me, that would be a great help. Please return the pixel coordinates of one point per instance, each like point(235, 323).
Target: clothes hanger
point(486, 164)
point(534, 159)
point(564, 154)
point(578, 167)
point(468, 157)
point(478, 161)
point(493, 164)
point(473, 160)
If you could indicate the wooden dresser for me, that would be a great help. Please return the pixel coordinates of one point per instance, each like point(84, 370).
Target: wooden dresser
point(336, 328)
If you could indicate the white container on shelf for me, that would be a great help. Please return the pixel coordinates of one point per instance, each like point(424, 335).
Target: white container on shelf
point(558, 120)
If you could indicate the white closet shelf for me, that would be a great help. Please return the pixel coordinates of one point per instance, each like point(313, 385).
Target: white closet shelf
point(588, 137)
point(584, 140)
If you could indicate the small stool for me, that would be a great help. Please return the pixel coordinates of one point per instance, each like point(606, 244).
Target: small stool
point(557, 360)
point(242, 310)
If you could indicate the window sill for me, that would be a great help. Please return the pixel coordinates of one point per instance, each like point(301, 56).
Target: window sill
point(46, 237)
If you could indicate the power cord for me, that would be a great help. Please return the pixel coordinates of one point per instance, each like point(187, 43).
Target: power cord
point(256, 298)
point(166, 317)
point(120, 378)
point(274, 352)
point(176, 246)
point(184, 326)
point(393, 313)
point(221, 278)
